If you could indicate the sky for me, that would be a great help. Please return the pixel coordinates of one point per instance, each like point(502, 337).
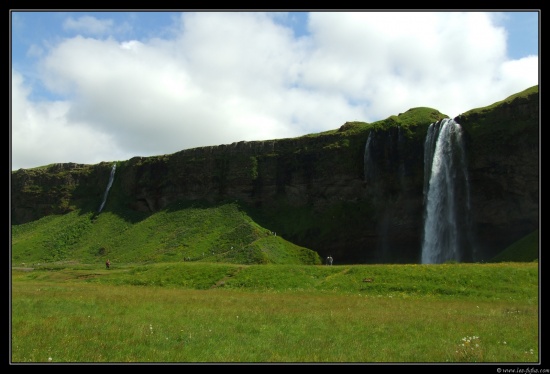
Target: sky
point(91, 87)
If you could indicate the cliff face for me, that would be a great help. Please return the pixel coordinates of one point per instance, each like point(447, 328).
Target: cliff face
point(329, 191)
point(504, 169)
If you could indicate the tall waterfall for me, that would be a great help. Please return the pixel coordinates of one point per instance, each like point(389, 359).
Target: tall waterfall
point(446, 195)
point(111, 178)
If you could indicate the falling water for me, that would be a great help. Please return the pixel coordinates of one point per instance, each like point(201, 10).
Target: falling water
point(111, 178)
point(446, 194)
point(384, 171)
point(368, 164)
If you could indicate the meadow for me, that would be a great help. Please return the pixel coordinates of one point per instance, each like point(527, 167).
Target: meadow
point(200, 312)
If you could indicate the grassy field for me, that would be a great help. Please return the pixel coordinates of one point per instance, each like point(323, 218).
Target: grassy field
point(200, 312)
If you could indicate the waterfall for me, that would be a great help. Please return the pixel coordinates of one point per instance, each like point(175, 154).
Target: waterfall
point(368, 164)
point(111, 178)
point(446, 195)
point(384, 174)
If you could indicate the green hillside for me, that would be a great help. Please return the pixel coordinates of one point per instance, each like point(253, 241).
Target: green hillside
point(185, 231)
point(182, 232)
point(524, 250)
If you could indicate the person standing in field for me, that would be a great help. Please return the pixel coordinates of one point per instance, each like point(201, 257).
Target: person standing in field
point(108, 264)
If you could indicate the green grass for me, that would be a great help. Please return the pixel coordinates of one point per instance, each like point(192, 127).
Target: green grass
point(205, 312)
point(183, 231)
point(520, 95)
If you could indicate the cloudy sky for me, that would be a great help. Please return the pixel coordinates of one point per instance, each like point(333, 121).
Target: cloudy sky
point(89, 87)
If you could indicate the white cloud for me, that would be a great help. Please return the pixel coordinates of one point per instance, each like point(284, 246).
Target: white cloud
point(519, 71)
point(42, 135)
point(395, 61)
point(227, 77)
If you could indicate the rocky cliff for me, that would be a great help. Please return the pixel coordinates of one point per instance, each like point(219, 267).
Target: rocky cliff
point(328, 191)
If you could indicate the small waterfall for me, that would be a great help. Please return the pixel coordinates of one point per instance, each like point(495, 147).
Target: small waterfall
point(400, 146)
point(111, 178)
point(368, 164)
point(446, 195)
point(384, 172)
point(382, 154)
